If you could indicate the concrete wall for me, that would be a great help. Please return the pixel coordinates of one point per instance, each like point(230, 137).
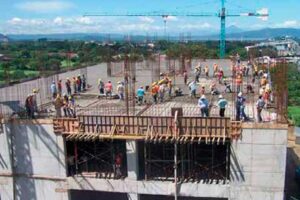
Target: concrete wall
point(38, 162)
point(258, 161)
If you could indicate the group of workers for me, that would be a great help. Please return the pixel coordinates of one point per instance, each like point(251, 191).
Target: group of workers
point(65, 102)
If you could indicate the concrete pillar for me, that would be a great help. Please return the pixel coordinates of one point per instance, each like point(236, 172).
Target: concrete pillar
point(132, 159)
point(133, 196)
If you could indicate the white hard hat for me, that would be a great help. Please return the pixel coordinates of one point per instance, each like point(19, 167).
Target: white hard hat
point(240, 94)
point(203, 97)
point(220, 96)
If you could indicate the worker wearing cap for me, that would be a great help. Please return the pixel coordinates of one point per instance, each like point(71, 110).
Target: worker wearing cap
point(140, 95)
point(204, 106)
point(28, 106)
point(120, 90)
point(216, 69)
point(239, 81)
point(222, 103)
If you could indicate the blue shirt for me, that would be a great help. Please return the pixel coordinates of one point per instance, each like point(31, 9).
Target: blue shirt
point(193, 86)
point(222, 103)
point(203, 103)
point(140, 92)
point(53, 88)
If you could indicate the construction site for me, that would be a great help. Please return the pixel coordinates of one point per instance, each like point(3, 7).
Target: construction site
point(123, 150)
point(161, 147)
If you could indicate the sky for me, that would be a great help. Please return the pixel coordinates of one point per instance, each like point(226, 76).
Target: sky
point(66, 16)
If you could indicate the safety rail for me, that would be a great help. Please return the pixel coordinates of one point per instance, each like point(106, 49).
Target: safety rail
point(147, 128)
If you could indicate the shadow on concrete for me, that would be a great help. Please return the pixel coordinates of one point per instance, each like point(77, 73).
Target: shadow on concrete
point(236, 172)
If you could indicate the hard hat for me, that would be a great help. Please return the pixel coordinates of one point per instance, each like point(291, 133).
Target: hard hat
point(34, 90)
point(119, 82)
point(203, 97)
point(68, 78)
point(240, 94)
point(220, 96)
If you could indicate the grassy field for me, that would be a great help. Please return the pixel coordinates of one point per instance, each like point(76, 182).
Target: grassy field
point(294, 114)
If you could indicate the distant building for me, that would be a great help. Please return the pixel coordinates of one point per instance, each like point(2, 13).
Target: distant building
point(284, 47)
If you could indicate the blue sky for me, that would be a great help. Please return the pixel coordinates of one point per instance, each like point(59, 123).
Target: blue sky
point(66, 16)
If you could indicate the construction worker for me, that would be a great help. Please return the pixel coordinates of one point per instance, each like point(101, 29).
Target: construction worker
point(193, 88)
point(154, 91)
point(213, 89)
point(240, 108)
point(58, 103)
point(68, 86)
point(108, 88)
point(121, 90)
point(220, 75)
point(185, 77)
point(227, 87)
point(222, 103)
point(202, 90)
point(72, 106)
point(78, 83)
point(216, 69)
point(66, 105)
point(34, 101)
point(161, 92)
point(204, 106)
point(29, 106)
point(74, 84)
point(239, 81)
point(140, 95)
point(118, 165)
point(260, 104)
point(263, 81)
point(198, 72)
point(53, 89)
point(83, 79)
point(206, 71)
point(101, 86)
point(59, 87)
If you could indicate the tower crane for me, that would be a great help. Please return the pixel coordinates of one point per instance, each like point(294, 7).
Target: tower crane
point(222, 14)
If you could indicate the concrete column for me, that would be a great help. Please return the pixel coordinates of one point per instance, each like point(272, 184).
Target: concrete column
point(132, 196)
point(132, 159)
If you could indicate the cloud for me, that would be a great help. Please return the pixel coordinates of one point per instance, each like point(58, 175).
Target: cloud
point(287, 24)
point(45, 6)
point(147, 19)
point(172, 18)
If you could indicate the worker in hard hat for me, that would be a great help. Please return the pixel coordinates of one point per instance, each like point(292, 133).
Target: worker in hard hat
point(240, 108)
point(29, 106)
point(204, 106)
point(185, 77)
point(222, 103)
point(59, 87)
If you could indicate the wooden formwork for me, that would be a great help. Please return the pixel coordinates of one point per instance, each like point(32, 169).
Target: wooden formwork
point(149, 129)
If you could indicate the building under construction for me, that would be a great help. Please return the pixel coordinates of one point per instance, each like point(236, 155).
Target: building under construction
point(121, 150)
